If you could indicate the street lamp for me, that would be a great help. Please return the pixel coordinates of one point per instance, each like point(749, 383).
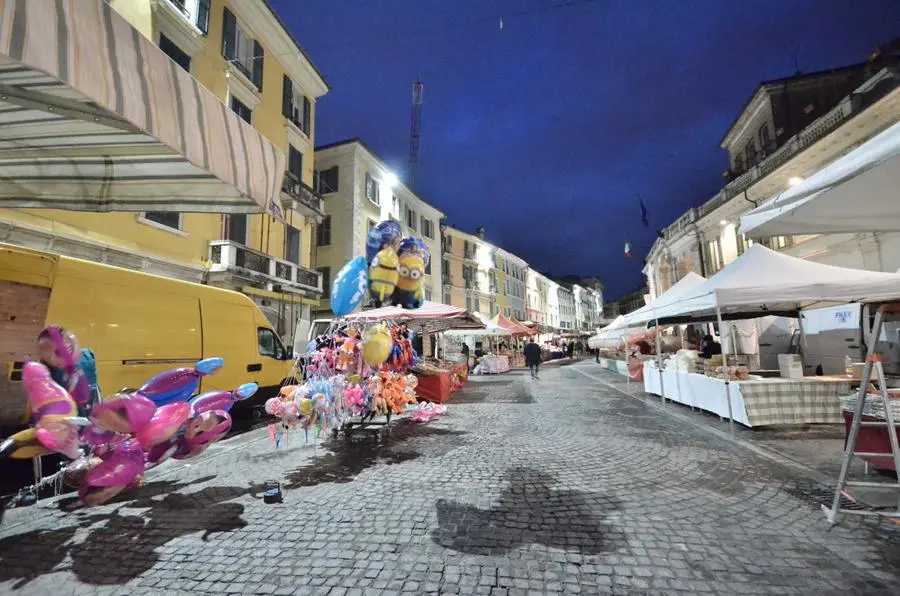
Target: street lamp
point(390, 179)
point(795, 180)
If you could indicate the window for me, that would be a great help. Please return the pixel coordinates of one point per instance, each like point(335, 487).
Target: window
point(269, 344)
point(326, 281)
point(715, 258)
point(448, 242)
point(295, 106)
point(765, 139)
point(471, 305)
point(428, 267)
point(292, 244)
point(295, 163)
point(427, 293)
point(445, 269)
point(410, 218)
point(738, 164)
point(245, 113)
point(164, 218)
point(237, 228)
point(372, 189)
point(448, 299)
point(750, 153)
point(171, 50)
point(743, 243)
point(427, 227)
point(241, 50)
point(203, 16)
point(779, 242)
point(323, 232)
point(326, 181)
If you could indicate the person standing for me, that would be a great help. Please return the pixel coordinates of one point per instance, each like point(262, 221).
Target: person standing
point(570, 349)
point(532, 353)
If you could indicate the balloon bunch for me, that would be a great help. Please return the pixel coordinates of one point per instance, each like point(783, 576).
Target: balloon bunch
point(426, 411)
point(392, 272)
point(127, 433)
point(318, 405)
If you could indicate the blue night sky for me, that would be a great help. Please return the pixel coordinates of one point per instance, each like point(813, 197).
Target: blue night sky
point(545, 130)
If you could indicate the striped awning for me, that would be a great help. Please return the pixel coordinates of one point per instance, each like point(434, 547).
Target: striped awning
point(94, 117)
point(430, 317)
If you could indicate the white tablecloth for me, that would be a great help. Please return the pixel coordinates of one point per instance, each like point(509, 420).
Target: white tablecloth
point(762, 402)
point(492, 365)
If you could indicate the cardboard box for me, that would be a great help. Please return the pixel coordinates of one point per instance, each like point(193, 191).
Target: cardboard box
point(790, 366)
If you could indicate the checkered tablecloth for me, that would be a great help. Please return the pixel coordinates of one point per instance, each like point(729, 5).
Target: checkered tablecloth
point(782, 401)
point(874, 406)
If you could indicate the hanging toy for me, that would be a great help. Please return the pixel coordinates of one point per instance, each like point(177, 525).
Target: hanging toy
point(376, 345)
point(413, 257)
point(383, 275)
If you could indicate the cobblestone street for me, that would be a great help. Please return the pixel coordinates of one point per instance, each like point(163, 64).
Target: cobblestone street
point(562, 485)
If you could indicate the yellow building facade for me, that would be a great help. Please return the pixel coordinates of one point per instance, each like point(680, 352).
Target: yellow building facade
point(243, 54)
point(470, 279)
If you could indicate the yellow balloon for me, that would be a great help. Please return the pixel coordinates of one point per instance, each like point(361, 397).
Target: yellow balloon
point(377, 345)
point(305, 406)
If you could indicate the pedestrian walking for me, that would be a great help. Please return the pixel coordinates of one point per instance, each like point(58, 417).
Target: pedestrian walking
point(532, 353)
point(570, 349)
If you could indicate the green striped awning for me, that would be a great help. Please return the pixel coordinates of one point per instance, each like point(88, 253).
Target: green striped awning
point(94, 117)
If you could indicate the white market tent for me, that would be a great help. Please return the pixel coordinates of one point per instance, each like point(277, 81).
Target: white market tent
point(763, 282)
point(611, 332)
point(671, 296)
point(490, 329)
point(857, 192)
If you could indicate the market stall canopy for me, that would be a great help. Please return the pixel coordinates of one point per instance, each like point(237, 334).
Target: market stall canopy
point(681, 288)
point(855, 193)
point(490, 329)
point(764, 282)
point(95, 117)
point(514, 328)
point(431, 317)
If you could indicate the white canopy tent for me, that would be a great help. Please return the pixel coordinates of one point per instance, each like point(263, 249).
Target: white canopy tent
point(763, 282)
point(671, 296)
point(857, 192)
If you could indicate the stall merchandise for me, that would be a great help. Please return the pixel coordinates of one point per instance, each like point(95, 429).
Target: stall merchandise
point(491, 364)
point(125, 434)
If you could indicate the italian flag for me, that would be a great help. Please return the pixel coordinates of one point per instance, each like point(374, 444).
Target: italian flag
point(628, 249)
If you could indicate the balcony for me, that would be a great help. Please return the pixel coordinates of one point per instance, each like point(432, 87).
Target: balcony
point(227, 257)
point(875, 88)
point(299, 196)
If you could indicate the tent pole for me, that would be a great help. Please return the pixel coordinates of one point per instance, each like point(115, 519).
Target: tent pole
point(725, 370)
point(662, 392)
point(804, 347)
point(627, 372)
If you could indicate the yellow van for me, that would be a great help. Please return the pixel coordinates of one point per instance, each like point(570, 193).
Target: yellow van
point(137, 324)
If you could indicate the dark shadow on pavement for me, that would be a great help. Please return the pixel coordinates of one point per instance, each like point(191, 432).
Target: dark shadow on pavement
point(125, 546)
point(530, 511)
point(347, 458)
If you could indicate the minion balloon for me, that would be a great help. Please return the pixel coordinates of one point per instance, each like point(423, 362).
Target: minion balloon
point(383, 275)
point(411, 270)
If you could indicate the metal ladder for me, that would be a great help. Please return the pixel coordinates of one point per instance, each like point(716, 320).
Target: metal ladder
point(873, 361)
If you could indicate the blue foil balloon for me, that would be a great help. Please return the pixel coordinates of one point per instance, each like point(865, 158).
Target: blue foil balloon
point(209, 366)
point(350, 287)
point(417, 246)
point(386, 232)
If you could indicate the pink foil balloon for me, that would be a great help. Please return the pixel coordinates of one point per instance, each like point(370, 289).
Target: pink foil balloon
point(124, 413)
point(50, 405)
point(119, 469)
point(201, 431)
point(165, 422)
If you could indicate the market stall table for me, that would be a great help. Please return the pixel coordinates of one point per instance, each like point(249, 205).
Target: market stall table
point(493, 365)
point(756, 402)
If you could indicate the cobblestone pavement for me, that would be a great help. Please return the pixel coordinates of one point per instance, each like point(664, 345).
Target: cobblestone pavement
point(561, 485)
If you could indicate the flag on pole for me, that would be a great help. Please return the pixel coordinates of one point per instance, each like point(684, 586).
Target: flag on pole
point(644, 219)
point(628, 249)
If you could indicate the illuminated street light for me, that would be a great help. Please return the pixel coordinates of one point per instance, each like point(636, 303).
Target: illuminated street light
point(390, 180)
point(795, 180)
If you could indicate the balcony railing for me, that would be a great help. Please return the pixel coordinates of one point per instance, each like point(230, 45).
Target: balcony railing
point(226, 255)
point(302, 194)
point(874, 89)
point(179, 5)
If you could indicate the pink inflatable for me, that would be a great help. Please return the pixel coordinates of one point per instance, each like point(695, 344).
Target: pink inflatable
point(201, 431)
point(123, 413)
point(50, 405)
point(120, 468)
point(165, 422)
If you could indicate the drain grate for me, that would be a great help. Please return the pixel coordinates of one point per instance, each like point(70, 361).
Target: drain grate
point(817, 494)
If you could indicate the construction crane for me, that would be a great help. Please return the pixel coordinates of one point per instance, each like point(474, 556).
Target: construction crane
point(415, 121)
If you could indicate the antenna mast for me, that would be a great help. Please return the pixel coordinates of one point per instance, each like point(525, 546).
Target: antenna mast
point(415, 121)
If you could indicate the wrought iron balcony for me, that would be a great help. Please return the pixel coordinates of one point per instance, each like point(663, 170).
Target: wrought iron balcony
point(231, 257)
point(299, 196)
